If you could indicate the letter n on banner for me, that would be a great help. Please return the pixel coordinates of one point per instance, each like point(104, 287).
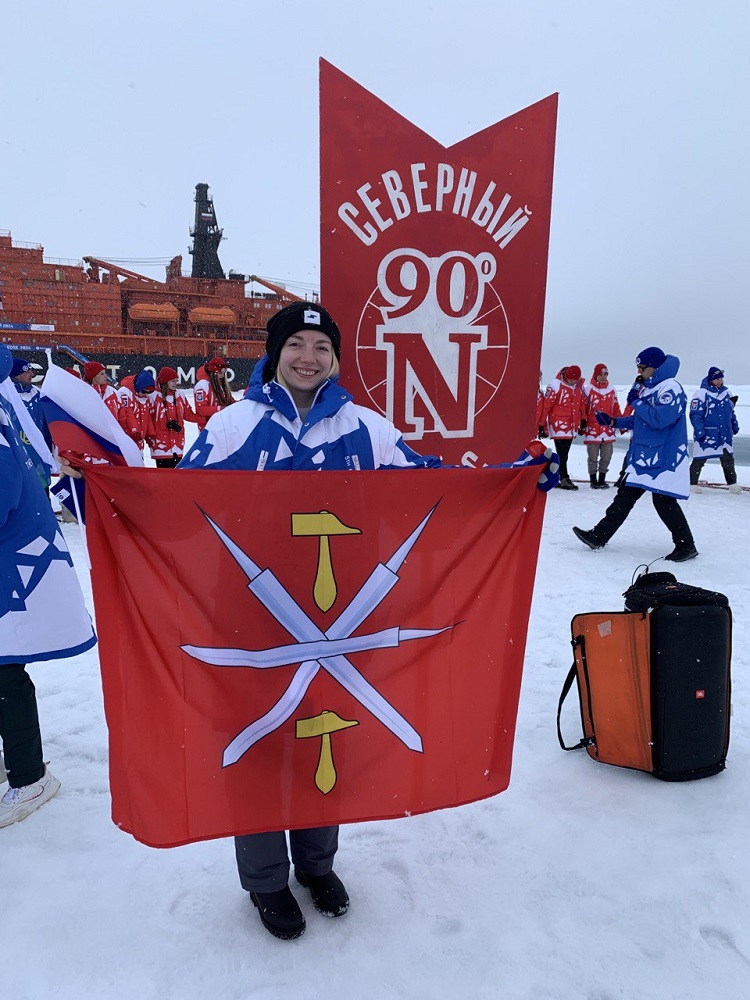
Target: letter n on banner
point(434, 264)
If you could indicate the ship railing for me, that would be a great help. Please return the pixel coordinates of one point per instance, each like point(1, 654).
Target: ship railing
point(21, 244)
point(120, 343)
point(64, 262)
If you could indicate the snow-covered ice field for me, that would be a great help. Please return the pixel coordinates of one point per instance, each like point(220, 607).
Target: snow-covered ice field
point(581, 882)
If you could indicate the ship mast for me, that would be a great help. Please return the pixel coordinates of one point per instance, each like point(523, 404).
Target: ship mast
point(206, 237)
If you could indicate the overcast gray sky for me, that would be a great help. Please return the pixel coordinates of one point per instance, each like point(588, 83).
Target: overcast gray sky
point(111, 114)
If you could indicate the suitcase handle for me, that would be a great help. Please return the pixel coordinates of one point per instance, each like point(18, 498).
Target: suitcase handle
point(585, 741)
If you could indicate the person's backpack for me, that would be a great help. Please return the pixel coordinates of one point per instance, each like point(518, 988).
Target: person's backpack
point(654, 680)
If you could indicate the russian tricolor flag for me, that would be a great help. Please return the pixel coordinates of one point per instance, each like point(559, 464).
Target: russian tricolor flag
point(79, 421)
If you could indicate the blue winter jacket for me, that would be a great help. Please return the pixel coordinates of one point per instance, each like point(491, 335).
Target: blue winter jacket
point(658, 455)
point(42, 613)
point(264, 431)
point(33, 401)
point(714, 420)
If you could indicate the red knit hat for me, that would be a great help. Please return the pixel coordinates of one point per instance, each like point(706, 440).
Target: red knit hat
point(91, 369)
point(573, 371)
point(598, 370)
point(166, 375)
point(216, 365)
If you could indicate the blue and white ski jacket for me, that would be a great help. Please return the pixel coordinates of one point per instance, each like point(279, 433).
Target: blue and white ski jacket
point(658, 455)
point(264, 431)
point(32, 399)
point(714, 421)
point(42, 612)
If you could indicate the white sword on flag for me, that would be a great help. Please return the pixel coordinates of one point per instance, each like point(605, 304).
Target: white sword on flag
point(316, 648)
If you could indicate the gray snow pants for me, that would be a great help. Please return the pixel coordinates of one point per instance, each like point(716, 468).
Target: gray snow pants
point(263, 861)
point(598, 456)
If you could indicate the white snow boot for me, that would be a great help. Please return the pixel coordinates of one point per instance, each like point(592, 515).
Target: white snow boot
point(735, 488)
point(695, 488)
point(18, 803)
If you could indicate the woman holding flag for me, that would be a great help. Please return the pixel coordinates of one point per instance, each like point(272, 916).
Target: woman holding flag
point(295, 416)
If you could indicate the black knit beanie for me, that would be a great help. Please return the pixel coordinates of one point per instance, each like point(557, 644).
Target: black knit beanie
point(290, 320)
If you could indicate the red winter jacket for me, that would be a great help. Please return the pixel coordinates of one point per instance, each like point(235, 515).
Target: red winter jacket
point(162, 440)
point(135, 412)
point(600, 396)
point(111, 398)
point(564, 408)
point(206, 401)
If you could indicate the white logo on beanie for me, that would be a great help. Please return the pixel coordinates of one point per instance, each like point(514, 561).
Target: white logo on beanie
point(312, 316)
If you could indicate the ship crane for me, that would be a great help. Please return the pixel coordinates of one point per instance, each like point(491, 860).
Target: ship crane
point(94, 265)
point(283, 293)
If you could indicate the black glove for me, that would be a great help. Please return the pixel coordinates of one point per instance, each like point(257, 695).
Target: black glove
point(604, 419)
point(582, 428)
point(172, 425)
point(542, 431)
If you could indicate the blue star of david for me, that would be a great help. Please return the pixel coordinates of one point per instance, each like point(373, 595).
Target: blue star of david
point(16, 590)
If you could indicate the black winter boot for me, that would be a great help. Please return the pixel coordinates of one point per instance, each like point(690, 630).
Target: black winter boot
point(279, 913)
point(328, 892)
point(588, 538)
point(594, 484)
point(682, 552)
point(603, 484)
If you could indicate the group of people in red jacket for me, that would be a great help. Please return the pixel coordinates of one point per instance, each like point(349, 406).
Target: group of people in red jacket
point(567, 408)
point(153, 411)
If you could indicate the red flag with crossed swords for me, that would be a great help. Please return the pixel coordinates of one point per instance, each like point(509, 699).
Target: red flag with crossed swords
point(286, 651)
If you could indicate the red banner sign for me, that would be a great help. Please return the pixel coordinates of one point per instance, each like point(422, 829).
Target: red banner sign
point(284, 651)
point(434, 264)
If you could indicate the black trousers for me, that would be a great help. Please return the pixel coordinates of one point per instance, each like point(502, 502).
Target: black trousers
point(562, 447)
point(727, 463)
point(168, 463)
point(626, 498)
point(19, 726)
point(263, 861)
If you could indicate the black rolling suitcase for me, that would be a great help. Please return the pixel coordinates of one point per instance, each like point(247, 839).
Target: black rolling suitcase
point(654, 681)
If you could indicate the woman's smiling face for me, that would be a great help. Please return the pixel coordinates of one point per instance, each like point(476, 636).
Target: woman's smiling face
point(305, 362)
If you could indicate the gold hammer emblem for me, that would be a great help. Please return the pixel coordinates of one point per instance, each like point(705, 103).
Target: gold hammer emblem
point(322, 525)
point(323, 725)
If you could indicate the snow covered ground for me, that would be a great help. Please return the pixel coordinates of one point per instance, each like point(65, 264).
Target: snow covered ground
point(581, 882)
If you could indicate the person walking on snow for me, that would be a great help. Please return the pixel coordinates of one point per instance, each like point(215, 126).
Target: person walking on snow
point(599, 438)
point(714, 426)
point(564, 413)
point(657, 459)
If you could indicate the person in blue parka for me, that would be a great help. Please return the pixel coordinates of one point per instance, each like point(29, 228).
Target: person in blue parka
point(22, 375)
point(714, 426)
point(42, 613)
point(657, 460)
